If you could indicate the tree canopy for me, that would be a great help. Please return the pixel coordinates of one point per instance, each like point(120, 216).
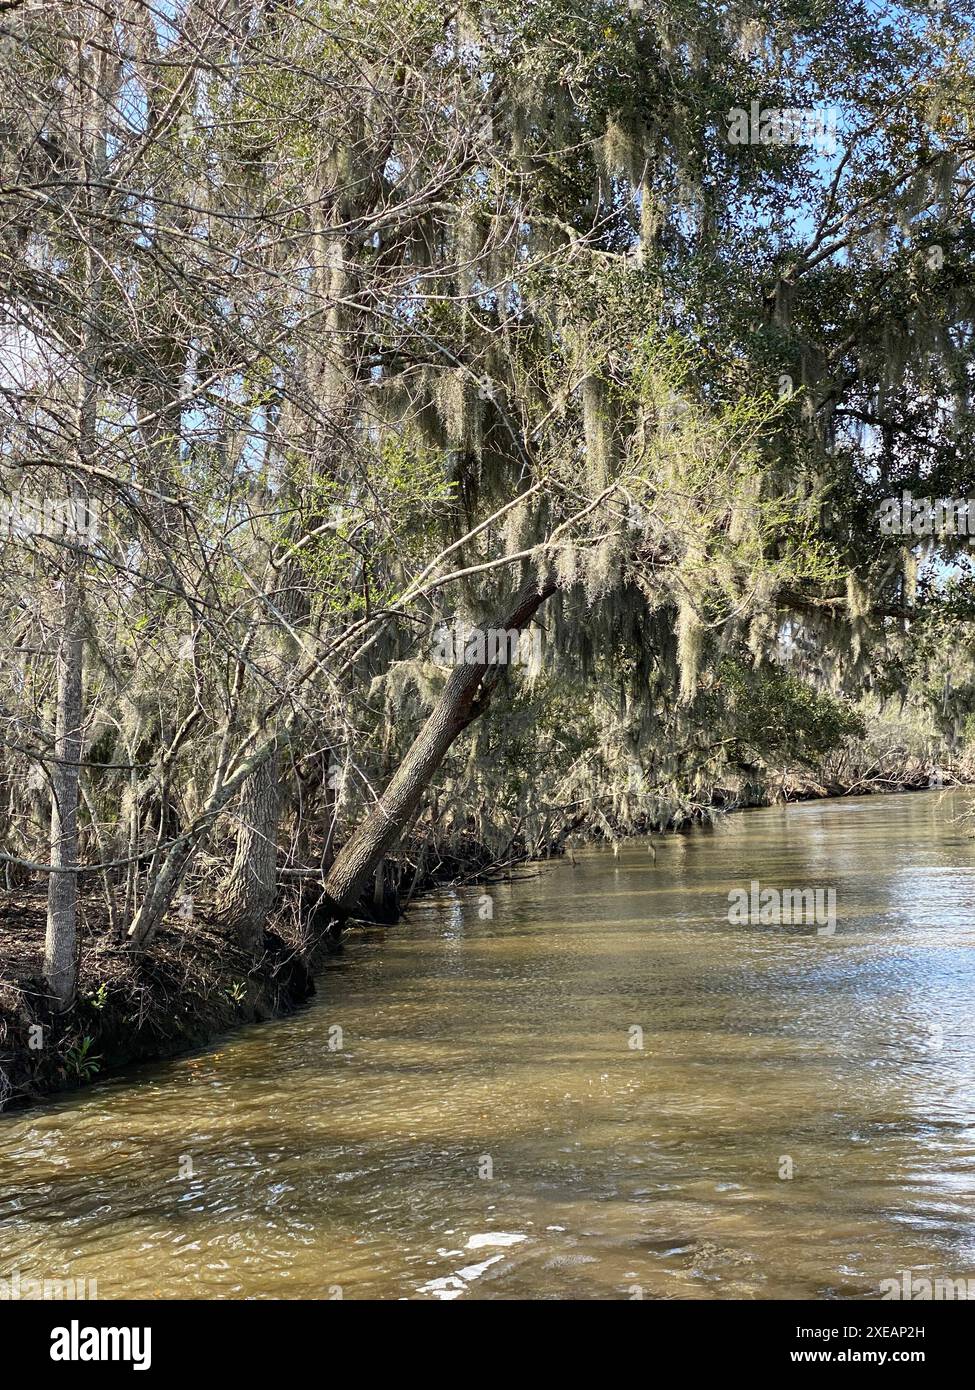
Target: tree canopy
point(328, 328)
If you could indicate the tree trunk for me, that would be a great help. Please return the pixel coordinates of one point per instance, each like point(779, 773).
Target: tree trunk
point(248, 893)
point(180, 855)
point(60, 946)
point(465, 696)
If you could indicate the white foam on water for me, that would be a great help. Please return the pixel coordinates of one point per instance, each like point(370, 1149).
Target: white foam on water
point(494, 1238)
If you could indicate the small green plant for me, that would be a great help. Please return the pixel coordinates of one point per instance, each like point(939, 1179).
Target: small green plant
point(80, 1062)
point(99, 999)
point(237, 992)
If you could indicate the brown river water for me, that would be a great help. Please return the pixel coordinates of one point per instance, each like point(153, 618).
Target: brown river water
point(465, 1110)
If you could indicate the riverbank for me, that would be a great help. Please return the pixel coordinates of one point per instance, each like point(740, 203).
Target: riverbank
point(196, 984)
point(602, 1083)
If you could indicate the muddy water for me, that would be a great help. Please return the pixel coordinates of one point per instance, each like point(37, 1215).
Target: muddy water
point(465, 1110)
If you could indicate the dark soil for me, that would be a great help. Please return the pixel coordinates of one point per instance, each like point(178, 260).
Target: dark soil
point(193, 984)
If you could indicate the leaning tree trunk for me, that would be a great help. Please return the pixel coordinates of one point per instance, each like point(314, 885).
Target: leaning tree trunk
point(465, 696)
point(249, 891)
point(60, 946)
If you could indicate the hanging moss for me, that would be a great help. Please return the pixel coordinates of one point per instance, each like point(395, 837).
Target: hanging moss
point(599, 435)
point(461, 410)
point(566, 564)
point(859, 600)
point(690, 645)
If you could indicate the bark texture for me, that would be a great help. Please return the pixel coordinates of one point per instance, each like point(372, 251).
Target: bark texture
point(465, 696)
point(248, 893)
point(60, 945)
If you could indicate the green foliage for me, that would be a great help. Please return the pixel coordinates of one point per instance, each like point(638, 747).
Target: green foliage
point(779, 718)
point(401, 309)
point(81, 1064)
point(99, 998)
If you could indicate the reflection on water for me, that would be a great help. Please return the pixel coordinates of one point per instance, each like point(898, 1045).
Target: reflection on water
point(490, 1127)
